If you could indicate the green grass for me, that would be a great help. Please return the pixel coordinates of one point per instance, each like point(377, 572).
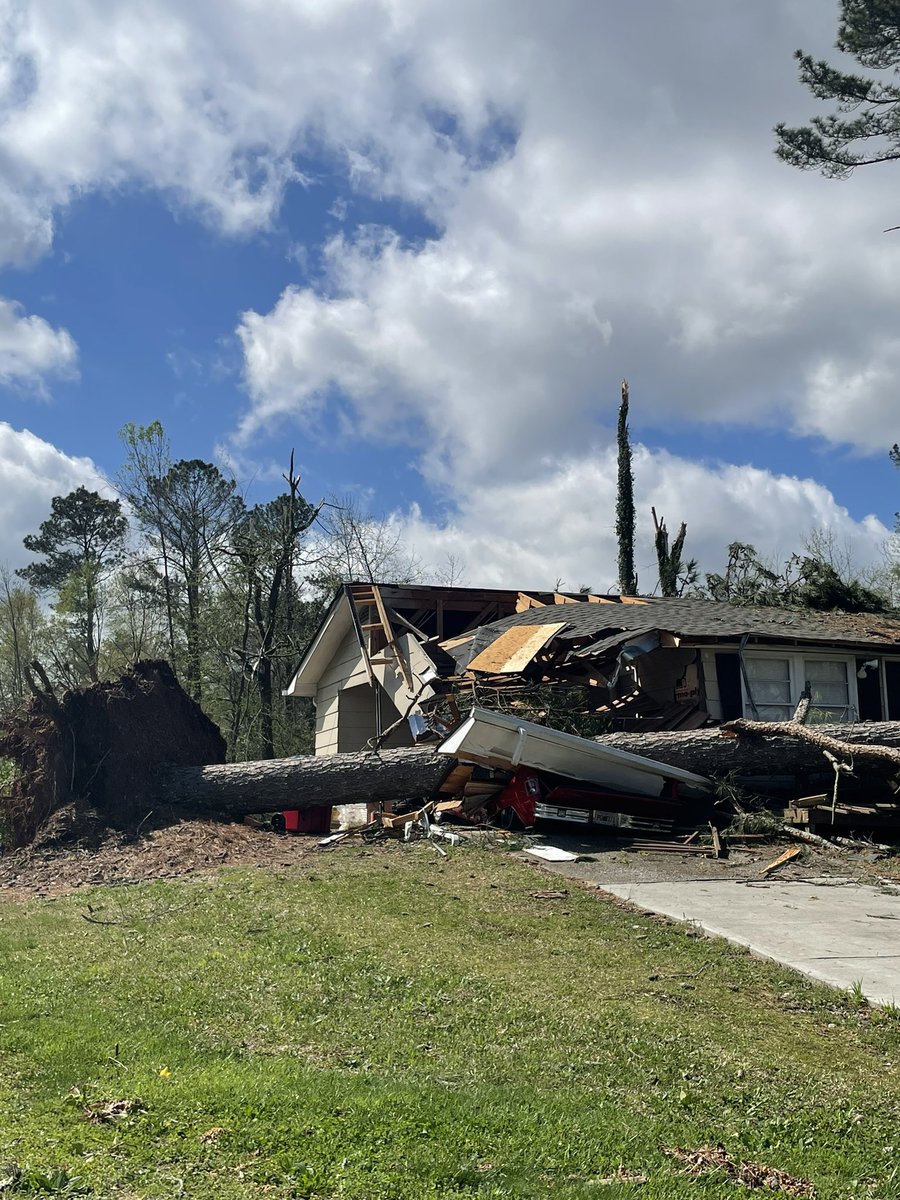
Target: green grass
point(387, 1024)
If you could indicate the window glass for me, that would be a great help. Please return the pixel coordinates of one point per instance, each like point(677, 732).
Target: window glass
point(830, 689)
point(768, 668)
point(770, 686)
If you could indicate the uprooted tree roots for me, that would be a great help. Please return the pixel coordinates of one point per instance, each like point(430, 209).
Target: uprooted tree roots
point(97, 749)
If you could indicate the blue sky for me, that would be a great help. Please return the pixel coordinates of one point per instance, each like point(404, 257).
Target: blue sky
point(422, 244)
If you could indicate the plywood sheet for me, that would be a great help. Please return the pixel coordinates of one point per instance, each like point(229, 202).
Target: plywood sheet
point(514, 649)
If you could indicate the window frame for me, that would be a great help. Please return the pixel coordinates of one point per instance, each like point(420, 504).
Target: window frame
point(797, 674)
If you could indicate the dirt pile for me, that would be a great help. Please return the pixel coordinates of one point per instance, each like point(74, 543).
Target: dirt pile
point(98, 748)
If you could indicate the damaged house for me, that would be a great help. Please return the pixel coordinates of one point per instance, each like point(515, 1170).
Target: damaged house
point(401, 659)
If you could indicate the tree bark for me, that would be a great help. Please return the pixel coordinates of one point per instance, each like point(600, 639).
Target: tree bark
point(306, 782)
point(708, 752)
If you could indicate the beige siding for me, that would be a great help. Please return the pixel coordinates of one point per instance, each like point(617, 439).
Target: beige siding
point(346, 669)
point(711, 684)
point(345, 705)
point(356, 708)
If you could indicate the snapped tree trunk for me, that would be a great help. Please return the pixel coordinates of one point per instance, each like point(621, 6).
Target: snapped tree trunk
point(305, 782)
point(708, 752)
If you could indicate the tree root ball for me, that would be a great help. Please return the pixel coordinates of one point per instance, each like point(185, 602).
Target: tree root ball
point(99, 748)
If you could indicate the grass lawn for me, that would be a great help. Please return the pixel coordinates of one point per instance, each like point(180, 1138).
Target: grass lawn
point(388, 1024)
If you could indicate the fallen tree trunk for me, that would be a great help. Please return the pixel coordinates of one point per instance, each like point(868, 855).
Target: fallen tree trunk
point(885, 756)
point(307, 782)
point(707, 752)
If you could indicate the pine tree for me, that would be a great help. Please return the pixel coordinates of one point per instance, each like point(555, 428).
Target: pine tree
point(674, 575)
point(81, 542)
point(865, 128)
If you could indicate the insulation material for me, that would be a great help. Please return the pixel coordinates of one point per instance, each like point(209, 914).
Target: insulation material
point(514, 649)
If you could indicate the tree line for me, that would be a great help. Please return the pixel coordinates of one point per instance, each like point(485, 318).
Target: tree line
point(178, 566)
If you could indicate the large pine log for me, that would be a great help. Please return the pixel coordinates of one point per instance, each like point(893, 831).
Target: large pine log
point(285, 783)
point(708, 752)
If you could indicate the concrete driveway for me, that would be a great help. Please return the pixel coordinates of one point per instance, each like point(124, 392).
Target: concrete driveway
point(834, 929)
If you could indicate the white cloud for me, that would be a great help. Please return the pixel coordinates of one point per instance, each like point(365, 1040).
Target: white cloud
point(33, 472)
point(656, 238)
point(559, 525)
point(605, 203)
point(31, 350)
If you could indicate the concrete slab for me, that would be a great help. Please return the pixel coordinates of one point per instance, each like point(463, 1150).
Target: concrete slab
point(837, 931)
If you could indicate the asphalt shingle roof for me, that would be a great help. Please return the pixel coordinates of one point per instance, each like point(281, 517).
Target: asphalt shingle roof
point(705, 619)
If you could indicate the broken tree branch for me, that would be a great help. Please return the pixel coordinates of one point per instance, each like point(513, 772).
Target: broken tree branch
point(886, 755)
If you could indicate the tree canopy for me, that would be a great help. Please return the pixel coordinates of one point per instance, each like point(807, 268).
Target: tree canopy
point(865, 128)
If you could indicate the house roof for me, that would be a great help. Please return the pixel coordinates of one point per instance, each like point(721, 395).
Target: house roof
point(595, 627)
point(704, 621)
point(338, 620)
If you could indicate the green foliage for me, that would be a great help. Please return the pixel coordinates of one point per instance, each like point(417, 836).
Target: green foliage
point(865, 128)
point(82, 542)
point(675, 576)
point(625, 517)
point(387, 1024)
point(83, 532)
point(806, 581)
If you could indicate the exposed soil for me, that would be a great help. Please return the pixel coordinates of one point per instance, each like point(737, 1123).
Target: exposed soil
point(170, 851)
point(99, 747)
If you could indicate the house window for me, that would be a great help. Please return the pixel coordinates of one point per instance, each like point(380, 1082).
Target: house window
point(829, 689)
point(769, 684)
point(773, 686)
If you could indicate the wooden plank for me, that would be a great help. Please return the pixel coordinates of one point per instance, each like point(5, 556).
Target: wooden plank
point(781, 860)
point(524, 602)
point(391, 638)
point(457, 641)
point(716, 841)
point(811, 801)
point(394, 821)
point(456, 780)
point(514, 649)
point(560, 598)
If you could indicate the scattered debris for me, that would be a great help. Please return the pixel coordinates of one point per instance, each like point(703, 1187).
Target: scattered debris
point(708, 1159)
point(551, 854)
point(107, 1112)
point(550, 895)
point(716, 841)
point(791, 853)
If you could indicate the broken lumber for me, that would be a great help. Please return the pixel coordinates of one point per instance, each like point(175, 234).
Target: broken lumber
point(786, 857)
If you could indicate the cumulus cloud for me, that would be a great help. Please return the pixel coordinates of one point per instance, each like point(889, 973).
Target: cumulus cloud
point(31, 350)
point(559, 525)
point(603, 201)
point(626, 225)
point(33, 472)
